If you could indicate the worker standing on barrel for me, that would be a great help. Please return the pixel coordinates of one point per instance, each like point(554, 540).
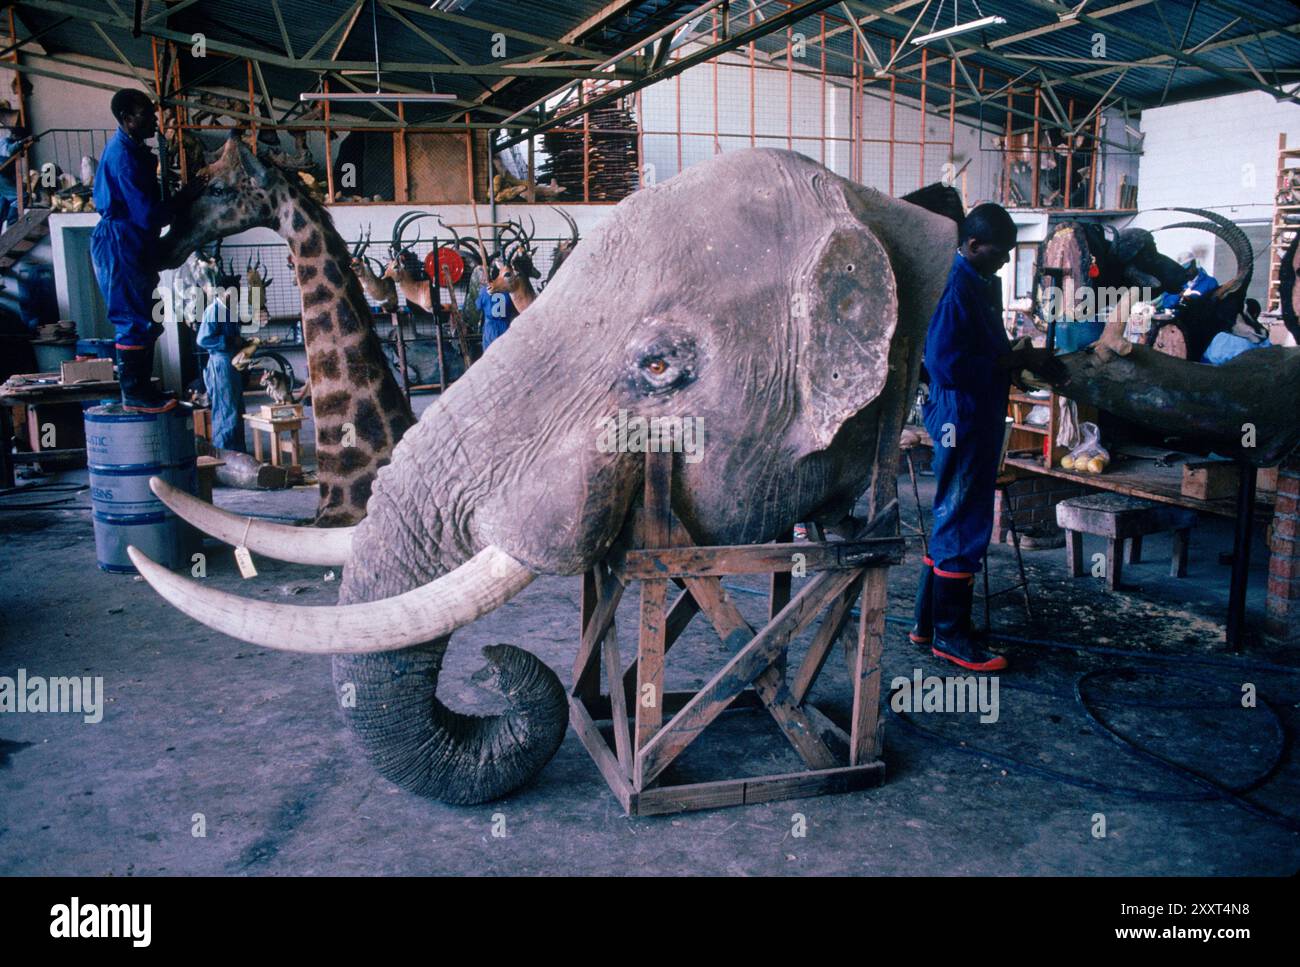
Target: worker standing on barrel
point(970, 362)
point(124, 246)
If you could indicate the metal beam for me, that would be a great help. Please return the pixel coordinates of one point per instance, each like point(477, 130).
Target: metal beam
point(284, 32)
point(350, 15)
point(772, 24)
point(1182, 55)
point(98, 17)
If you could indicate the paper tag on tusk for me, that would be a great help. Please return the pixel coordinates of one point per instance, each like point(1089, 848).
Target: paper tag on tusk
point(245, 561)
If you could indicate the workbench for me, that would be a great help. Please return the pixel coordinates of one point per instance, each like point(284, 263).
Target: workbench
point(42, 389)
point(1145, 479)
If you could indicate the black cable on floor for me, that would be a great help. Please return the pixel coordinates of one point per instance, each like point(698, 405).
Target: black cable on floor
point(1213, 790)
point(71, 489)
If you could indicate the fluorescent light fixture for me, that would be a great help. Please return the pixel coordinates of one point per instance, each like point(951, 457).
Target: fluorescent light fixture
point(357, 96)
point(956, 29)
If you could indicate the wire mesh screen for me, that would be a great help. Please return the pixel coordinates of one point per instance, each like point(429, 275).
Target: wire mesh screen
point(65, 147)
point(437, 168)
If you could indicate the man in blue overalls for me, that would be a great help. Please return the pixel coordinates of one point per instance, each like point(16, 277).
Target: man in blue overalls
point(1199, 283)
point(498, 309)
point(219, 335)
point(124, 246)
point(970, 362)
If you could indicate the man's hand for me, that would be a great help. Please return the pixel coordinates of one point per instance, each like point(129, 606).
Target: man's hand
point(1039, 361)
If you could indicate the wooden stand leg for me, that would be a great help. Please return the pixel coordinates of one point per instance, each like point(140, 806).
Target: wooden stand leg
point(1074, 552)
point(1135, 550)
point(1114, 562)
point(864, 742)
point(1178, 563)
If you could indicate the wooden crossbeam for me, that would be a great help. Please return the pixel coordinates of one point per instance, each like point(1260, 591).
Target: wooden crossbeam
point(750, 662)
point(758, 559)
point(603, 594)
point(831, 627)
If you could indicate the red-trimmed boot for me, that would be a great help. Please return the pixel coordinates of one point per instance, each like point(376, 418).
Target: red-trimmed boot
point(953, 594)
point(922, 632)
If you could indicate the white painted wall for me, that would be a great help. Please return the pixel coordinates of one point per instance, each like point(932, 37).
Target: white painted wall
point(1218, 153)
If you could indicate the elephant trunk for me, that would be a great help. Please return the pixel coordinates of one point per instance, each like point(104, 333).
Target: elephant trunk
point(418, 743)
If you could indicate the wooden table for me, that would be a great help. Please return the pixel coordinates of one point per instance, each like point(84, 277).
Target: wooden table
point(1142, 478)
point(42, 389)
point(281, 449)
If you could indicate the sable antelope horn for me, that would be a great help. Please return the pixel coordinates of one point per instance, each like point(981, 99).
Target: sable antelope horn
point(483, 583)
point(573, 225)
point(1242, 251)
point(325, 546)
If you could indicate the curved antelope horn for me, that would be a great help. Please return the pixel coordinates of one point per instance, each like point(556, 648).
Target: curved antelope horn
point(326, 546)
point(483, 583)
point(573, 225)
point(371, 261)
point(1230, 232)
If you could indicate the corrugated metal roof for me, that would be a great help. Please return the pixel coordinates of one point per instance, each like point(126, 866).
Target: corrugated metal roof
point(1267, 32)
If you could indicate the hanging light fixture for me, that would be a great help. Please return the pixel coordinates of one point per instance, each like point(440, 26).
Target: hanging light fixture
point(406, 97)
point(958, 28)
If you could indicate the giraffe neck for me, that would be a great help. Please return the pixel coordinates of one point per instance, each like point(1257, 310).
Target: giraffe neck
point(360, 412)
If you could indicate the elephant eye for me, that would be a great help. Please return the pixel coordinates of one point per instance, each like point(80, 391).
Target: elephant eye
point(666, 364)
point(217, 188)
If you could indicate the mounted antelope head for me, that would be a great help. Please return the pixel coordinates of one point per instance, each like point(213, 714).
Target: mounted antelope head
point(257, 286)
point(404, 268)
point(377, 286)
point(564, 248)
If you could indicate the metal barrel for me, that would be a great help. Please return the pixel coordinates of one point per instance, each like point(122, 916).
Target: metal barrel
point(123, 450)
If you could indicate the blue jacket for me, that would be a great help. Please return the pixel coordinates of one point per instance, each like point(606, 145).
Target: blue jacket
point(219, 332)
point(126, 188)
point(965, 340)
point(1204, 284)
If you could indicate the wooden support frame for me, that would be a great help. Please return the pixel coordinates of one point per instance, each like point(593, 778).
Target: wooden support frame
point(652, 726)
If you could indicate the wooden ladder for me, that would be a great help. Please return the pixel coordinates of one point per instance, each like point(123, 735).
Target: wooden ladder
point(22, 236)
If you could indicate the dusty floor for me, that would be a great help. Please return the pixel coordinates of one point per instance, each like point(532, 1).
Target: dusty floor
point(201, 729)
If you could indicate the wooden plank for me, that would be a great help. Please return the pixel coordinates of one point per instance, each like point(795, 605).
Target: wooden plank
point(864, 744)
point(770, 685)
point(586, 673)
point(739, 792)
point(599, 751)
point(679, 616)
point(611, 591)
point(617, 699)
point(759, 558)
point(831, 627)
point(1163, 485)
point(739, 672)
point(675, 701)
point(649, 671)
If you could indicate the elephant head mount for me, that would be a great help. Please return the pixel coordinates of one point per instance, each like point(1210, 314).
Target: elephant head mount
point(779, 305)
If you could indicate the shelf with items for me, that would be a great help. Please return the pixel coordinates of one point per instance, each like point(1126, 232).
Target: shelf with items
point(1286, 200)
point(1039, 439)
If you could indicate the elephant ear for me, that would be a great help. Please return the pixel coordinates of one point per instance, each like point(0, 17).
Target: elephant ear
point(846, 307)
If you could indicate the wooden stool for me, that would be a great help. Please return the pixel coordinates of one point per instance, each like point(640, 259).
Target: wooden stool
point(1005, 480)
point(285, 453)
point(207, 475)
point(1118, 518)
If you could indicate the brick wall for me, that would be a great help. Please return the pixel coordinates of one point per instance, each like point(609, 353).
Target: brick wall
point(1033, 502)
point(1283, 608)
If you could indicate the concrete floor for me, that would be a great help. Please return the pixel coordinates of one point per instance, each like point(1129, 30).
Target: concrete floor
point(196, 723)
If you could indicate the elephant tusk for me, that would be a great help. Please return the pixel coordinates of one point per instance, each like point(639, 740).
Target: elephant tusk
point(483, 583)
point(329, 546)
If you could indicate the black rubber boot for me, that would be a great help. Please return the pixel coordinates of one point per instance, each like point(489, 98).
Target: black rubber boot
point(136, 376)
point(953, 594)
point(922, 632)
